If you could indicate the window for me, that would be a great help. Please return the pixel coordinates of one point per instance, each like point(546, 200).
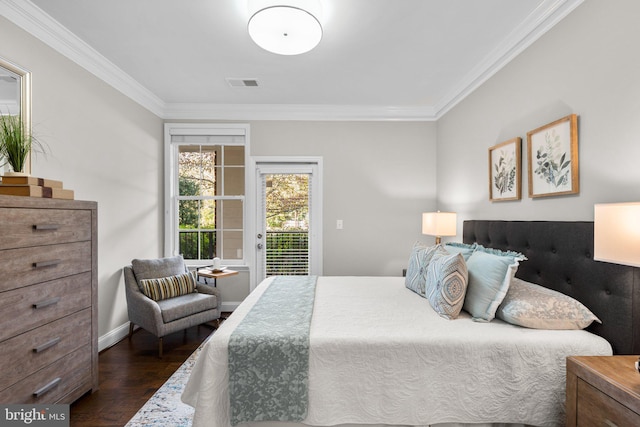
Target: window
point(206, 192)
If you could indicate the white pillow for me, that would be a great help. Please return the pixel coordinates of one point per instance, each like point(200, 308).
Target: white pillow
point(534, 306)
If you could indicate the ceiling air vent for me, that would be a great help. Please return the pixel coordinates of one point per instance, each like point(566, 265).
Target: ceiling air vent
point(242, 82)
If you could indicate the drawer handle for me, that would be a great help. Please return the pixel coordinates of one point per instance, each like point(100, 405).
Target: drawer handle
point(46, 345)
point(44, 264)
point(47, 387)
point(46, 303)
point(44, 227)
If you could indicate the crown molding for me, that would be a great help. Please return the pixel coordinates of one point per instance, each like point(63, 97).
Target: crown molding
point(297, 112)
point(541, 20)
point(33, 20)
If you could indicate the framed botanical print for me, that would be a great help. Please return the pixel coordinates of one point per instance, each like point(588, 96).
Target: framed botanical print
point(553, 158)
point(504, 170)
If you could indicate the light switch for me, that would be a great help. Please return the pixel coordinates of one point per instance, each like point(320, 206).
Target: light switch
point(339, 224)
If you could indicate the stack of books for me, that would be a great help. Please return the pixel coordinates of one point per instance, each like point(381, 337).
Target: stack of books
point(34, 187)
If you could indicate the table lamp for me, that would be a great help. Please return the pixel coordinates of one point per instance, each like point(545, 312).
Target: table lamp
point(439, 224)
point(616, 233)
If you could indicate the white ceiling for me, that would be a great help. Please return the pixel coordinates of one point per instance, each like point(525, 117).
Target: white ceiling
point(378, 59)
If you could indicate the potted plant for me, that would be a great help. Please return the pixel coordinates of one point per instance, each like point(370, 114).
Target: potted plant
point(15, 143)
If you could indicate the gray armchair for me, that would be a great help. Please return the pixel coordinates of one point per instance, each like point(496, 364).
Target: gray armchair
point(168, 315)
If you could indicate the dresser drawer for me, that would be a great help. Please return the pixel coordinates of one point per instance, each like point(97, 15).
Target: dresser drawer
point(42, 346)
point(36, 305)
point(23, 267)
point(34, 227)
point(53, 383)
point(48, 299)
point(597, 409)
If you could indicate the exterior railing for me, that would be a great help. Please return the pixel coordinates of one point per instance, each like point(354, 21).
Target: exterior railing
point(188, 244)
point(287, 252)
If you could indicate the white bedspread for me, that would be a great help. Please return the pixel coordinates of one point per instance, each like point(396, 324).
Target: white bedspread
point(381, 355)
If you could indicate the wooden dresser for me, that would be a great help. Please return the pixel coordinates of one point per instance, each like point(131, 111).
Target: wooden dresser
point(603, 391)
point(48, 300)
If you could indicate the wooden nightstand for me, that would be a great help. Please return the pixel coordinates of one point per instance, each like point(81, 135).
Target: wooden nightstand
point(603, 391)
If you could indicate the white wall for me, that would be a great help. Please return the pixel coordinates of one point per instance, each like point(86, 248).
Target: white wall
point(378, 178)
point(106, 148)
point(589, 65)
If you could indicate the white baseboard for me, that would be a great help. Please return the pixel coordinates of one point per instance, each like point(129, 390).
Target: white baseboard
point(112, 337)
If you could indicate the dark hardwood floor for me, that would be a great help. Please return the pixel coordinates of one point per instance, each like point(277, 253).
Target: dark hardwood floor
point(130, 372)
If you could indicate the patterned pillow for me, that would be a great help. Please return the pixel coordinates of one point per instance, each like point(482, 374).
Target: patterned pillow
point(417, 269)
point(168, 287)
point(447, 284)
point(534, 306)
point(490, 274)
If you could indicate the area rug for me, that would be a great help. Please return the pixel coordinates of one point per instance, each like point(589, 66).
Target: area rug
point(165, 408)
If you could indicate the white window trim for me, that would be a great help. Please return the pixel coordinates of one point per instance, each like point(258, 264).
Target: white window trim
point(170, 185)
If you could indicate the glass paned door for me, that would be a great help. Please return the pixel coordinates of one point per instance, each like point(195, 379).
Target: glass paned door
point(285, 238)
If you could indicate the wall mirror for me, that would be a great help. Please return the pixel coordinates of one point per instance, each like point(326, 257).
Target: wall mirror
point(15, 98)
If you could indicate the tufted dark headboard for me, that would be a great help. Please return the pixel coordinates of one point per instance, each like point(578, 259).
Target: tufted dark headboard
point(560, 257)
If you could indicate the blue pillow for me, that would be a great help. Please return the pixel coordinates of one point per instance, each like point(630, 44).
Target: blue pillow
point(417, 269)
point(460, 248)
point(490, 274)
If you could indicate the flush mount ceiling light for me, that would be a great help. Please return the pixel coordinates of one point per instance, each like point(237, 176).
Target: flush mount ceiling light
point(285, 30)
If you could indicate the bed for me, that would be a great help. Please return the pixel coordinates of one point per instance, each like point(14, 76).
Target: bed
point(379, 356)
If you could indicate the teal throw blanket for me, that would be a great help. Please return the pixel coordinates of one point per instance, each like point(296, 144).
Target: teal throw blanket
point(269, 354)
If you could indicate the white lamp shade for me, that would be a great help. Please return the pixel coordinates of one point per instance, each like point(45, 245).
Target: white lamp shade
point(617, 233)
point(285, 30)
point(439, 223)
